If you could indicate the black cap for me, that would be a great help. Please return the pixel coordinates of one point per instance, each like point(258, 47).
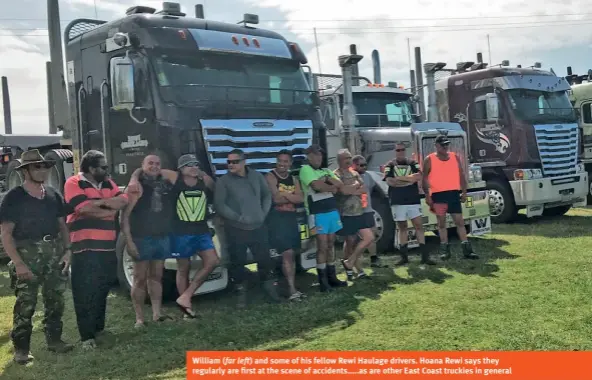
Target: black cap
point(314, 149)
point(442, 140)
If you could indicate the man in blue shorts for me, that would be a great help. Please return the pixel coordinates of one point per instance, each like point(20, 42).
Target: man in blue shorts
point(192, 188)
point(146, 224)
point(319, 186)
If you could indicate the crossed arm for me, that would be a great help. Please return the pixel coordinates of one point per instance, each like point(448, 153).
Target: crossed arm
point(283, 198)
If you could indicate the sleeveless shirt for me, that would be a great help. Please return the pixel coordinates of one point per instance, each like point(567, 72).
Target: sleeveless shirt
point(285, 185)
point(191, 208)
point(444, 175)
point(152, 214)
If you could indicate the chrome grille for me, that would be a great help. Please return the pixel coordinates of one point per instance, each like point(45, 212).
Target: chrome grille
point(558, 148)
point(261, 140)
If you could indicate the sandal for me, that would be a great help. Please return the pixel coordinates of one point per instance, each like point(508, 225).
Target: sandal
point(186, 311)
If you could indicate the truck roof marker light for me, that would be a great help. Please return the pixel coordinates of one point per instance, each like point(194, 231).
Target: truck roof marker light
point(246, 41)
point(182, 34)
point(256, 43)
point(235, 40)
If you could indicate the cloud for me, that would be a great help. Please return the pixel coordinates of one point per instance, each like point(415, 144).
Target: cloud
point(446, 30)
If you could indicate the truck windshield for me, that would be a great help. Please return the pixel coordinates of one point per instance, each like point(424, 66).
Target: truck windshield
point(236, 80)
point(383, 109)
point(542, 106)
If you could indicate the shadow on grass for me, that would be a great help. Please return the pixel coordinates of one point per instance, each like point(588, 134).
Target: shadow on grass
point(159, 350)
point(571, 226)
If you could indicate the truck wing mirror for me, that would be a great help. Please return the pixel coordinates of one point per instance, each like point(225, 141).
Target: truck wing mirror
point(123, 85)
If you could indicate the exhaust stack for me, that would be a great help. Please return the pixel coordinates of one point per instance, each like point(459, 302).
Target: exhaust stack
point(354, 68)
point(419, 83)
point(6, 107)
point(376, 66)
point(59, 107)
point(52, 127)
point(199, 11)
point(479, 58)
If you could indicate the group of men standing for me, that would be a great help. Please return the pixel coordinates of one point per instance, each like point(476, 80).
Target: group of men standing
point(164, 214)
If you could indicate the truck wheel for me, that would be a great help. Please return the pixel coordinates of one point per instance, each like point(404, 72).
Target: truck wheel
point(57, 176)
point(556, 211)
point(385, 226)
point(13, 177)
point(501, 202)
point(125, 270)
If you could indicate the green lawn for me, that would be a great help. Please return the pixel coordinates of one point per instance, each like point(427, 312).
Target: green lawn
point(530, 291)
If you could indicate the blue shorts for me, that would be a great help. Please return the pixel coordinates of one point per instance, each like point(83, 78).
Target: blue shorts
point(185, 246)
point(153, 248)
point(326, 223)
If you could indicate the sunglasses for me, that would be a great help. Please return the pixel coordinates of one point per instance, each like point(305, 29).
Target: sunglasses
point(400, 150)
point(362, 165)
point(233, 162)
point(191, 165)
point(39, 166)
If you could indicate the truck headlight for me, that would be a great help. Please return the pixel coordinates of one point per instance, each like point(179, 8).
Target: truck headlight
point(475, 174)
point(527, 174)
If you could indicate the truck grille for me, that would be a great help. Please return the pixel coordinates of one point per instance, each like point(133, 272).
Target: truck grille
point(457, 145)
point(558, 148)
point(261, 140)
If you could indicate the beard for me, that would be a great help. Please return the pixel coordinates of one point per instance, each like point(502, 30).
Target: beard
point(100, 177)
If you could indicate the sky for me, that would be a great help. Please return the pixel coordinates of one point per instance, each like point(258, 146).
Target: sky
point(556, 34)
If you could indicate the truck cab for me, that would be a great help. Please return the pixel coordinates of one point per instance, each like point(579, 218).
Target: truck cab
point(385, 115)
point(523, 132)
point(167, 83)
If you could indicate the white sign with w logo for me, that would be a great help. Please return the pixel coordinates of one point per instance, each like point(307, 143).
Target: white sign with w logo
point(480, 226)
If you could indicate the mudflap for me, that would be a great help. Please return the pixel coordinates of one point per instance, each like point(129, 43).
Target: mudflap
point(411, 239)
point(480, 226)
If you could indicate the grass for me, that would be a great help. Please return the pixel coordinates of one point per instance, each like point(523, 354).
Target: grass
point(529, 291)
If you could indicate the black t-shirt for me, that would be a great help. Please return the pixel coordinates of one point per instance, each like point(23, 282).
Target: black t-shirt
point(153, 213)
point(33, 218)
point(191, 208)
point(406, 195)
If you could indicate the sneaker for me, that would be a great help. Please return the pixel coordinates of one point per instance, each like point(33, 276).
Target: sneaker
point(363, 275)
point(89, 344)
point(22, 357)
point(59, 346)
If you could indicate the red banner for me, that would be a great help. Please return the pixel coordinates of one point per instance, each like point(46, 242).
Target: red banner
point(386, 364)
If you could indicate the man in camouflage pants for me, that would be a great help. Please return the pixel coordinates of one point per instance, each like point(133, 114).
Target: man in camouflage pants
point(35, 237)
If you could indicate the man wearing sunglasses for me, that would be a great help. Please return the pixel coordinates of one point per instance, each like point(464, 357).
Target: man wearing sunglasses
point(403, 175)
point(35, 237)
point(243, 200)
point(192, 190)
point(445, 186)
point(95, 201)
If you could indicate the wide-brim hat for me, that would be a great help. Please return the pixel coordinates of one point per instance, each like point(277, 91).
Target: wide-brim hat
point(31, 157)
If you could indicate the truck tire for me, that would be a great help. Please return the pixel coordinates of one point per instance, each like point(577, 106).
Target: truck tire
point(125, 274)
point(13, 177)
point(385, 226)
point(57, 177)
point(501, 202)
point(556, 211)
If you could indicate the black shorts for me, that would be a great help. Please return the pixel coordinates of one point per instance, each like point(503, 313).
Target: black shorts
point(370, 222)
point(352, 224)
point(446, 202)
point(284, 231)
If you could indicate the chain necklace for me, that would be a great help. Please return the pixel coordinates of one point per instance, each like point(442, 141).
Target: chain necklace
point(43, 192)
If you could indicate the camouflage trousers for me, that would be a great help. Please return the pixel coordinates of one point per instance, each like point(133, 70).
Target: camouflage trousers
point(43, 260)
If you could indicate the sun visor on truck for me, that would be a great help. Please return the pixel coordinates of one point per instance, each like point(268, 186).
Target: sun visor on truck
point(527, 82)
point(240, 43)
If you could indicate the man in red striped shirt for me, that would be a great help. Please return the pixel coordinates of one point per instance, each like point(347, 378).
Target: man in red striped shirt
point(94, 200)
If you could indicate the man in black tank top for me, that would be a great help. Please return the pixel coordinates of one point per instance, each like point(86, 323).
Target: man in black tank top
point(284, 232)
point(146, 224)
point(190, 235)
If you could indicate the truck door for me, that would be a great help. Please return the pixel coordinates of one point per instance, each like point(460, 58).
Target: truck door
point(90, 95)
point(132, 130)
point(488, 140)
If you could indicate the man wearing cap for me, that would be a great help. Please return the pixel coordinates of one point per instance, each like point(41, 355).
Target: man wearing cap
point(192, 190)
point(319, 186)
point(243, 200)
point(36, 238)
point(445, 186)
